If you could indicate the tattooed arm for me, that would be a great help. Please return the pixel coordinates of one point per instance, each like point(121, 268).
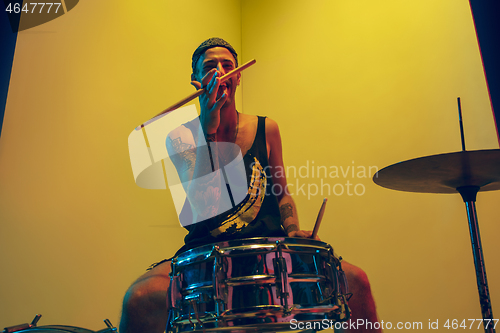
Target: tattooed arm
point(288, 211)
point(289, 218)
point(195, 168)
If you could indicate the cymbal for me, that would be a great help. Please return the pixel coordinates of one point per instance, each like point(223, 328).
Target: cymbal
point(444, 173)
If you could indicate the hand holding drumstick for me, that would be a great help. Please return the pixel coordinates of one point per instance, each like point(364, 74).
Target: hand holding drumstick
point(318, 220)
point(293, 229)
point(198, 92)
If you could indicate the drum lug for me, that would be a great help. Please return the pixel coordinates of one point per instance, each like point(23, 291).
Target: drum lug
point(331, 269)
point(345, 311)
point(330, 278)
point(110, 328)
point(174, 298)
point(342, 292)
point(192, 302)
point(281, 273)
point(218, 287)
point(340, 263)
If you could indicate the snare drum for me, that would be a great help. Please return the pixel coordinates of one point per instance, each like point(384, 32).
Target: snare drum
point(256, 285)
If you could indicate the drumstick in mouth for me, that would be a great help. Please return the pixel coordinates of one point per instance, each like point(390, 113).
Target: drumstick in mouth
point(319, 218)
point(197, 93)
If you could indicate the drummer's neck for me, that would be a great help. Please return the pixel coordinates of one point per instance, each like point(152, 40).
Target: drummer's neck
point(228, 120)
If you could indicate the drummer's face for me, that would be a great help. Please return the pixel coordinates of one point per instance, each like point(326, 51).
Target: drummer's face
point(221, 59)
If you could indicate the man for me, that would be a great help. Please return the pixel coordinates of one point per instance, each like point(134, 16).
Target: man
point(257, 215)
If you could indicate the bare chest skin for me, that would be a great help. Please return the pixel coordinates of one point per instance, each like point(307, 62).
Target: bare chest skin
point(246, 133)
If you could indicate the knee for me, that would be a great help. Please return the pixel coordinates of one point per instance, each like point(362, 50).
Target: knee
point(357, 280)
point(136, 298)
point(146, 296)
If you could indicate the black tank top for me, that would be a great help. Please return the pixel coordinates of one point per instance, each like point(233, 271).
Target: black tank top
point(256, 216)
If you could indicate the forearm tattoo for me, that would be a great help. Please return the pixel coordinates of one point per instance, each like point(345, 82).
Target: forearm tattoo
point(286, 211)
point(290, 228)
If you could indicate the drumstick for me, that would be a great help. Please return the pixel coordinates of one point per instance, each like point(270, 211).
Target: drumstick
point(319, 218)
point(197, 93)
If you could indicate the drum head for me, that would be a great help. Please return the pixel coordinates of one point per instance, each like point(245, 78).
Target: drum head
point(55, 329)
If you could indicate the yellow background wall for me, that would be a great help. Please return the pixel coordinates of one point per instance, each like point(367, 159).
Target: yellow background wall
point(358, 83)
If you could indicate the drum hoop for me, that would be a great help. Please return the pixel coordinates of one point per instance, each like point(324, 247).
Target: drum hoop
point(254, 245)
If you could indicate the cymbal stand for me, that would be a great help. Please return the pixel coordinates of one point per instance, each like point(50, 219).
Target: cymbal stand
point(469, 194)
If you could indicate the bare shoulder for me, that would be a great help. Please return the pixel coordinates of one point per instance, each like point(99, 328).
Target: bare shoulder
point(273, 141)
point(179, 139)
point(272, 128)
point(181, 131)
point(177, 132)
